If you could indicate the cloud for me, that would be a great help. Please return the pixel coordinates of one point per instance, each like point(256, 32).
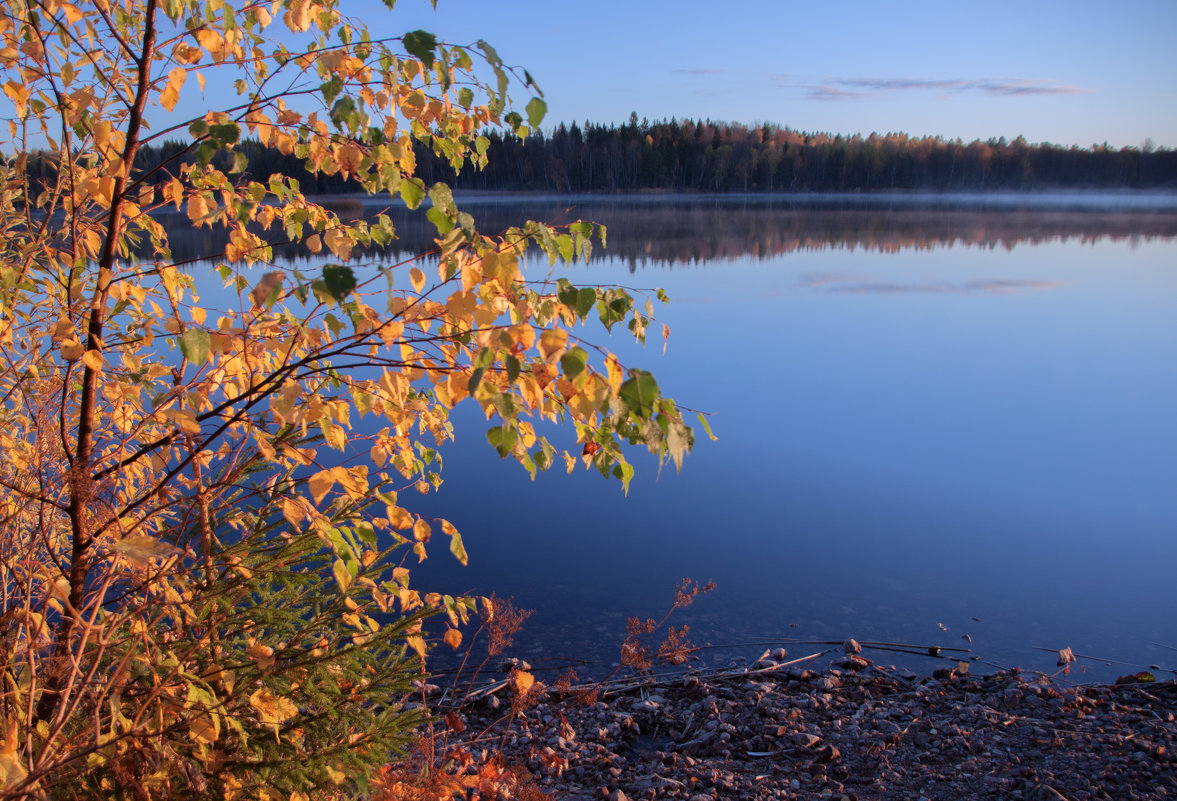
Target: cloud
point(856, 88)
point(989, 286)
point(830, 93)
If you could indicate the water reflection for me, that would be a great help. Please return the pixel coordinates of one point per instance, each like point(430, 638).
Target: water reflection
point(684, 232)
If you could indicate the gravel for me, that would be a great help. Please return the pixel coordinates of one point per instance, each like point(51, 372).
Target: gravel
point(868, 733)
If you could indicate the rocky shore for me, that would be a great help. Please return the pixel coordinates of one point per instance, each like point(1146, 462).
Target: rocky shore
point(853, 730)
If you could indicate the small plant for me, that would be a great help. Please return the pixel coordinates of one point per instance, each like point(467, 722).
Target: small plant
point(638, 654)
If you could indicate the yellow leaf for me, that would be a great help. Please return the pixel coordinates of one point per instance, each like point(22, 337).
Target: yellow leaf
point(298, 17)
point(262, 655)
point(205, 729)
point(552, 344)
point(12, 771)
point(336, 776)
point(453, 638)
point(447, 528)
point(523, 681)
point(93, 360)
point(421, 530)
point(314, 243)
point(320, 483)
point(417, 277)
point(616, 375)
point(72, 13)
point(399, 518)
point(338, 242)
point(186, 421)
point(140, 550)
point(272, 709)
point(171, 93)
point(19, 93)
point(417, 644)
point(197, 208)
point(71, 349)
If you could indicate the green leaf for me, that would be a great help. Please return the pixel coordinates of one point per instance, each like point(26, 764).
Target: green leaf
point(503, 440)
point(573, 362)
point(440, 219)
point(623, 471)
point(457, 548)
point(465, 97)
point(706, 427)
point(194, 345)
point(339, 280)
point(513, 368)
point(413, 192)
point(536, 109)
point(422, 45)
point(639, 392)
point(543, 455)
point(475, 380)
point(585, 299)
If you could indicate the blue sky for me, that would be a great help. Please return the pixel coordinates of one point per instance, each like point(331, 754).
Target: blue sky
point(1073, 72)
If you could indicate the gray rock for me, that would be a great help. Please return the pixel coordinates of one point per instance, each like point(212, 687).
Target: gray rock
point(851, 646)
point(805, 740)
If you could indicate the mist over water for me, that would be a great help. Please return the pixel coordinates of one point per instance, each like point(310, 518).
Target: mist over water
point(932, 423)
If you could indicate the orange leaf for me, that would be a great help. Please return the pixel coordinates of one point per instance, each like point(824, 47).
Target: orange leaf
point(453, 638)
point(417, 278)
point(523, 681)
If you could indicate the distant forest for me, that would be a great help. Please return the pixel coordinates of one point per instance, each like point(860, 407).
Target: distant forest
point(689, 157)
point(705, 156)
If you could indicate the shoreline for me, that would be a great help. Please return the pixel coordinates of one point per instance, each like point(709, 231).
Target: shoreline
point(779, 730)
point(1159, 201)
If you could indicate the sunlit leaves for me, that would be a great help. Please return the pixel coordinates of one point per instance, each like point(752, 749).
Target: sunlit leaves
point(272, 709)
point(171, 93)
point(207, 416)
point(417, 278)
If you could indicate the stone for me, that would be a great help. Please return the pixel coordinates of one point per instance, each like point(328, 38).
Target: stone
point(805, 740)
point(851, 646)
point(827, 753)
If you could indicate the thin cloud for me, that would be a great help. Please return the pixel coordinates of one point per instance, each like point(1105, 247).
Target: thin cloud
point(830, 93)
point(856, 88)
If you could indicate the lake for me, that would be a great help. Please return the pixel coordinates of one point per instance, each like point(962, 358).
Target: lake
point(933, 422)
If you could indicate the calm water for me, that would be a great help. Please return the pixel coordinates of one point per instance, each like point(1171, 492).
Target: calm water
point(932, 423)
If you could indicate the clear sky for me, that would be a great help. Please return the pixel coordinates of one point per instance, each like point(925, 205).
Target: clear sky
point(1062, 71)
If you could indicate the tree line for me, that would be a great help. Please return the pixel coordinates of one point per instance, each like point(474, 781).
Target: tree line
point(707, 156)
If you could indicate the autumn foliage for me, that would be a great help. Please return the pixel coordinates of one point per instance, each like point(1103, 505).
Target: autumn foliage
point(207, 473)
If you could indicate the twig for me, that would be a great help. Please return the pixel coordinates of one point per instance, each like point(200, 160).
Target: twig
point(1093, 658)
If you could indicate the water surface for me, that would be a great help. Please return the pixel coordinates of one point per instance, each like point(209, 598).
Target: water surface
point(931, 424)
point(934, 421)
